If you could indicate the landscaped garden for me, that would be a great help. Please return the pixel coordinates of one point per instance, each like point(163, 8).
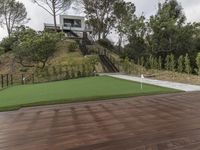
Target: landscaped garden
point(76, 90)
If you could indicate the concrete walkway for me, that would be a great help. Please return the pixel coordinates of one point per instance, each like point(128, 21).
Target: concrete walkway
point(168, 84)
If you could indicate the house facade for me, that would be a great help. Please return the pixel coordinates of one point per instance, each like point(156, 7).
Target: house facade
point(70, 23)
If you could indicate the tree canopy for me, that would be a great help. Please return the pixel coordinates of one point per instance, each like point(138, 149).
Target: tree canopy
point(54, 7)
point(12, 14)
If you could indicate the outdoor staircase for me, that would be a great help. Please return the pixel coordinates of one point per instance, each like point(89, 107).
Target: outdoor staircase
point(72, 34)
point(107, 64)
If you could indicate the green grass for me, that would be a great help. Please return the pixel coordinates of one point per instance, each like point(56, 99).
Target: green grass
point(84, 89)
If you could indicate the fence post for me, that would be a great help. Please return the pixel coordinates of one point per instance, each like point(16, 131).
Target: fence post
point(2, 81)
point(7, 82)
point(11, 79)
point(33, 80)
point(22, 79)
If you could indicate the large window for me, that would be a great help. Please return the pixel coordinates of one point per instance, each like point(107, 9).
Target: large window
point(72, 23)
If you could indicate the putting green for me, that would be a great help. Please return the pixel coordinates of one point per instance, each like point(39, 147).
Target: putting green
point(76, 90)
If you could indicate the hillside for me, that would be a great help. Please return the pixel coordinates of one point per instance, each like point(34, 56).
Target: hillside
point(62, 57)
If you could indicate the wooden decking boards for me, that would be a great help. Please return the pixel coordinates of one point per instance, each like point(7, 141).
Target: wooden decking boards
point(163, 122)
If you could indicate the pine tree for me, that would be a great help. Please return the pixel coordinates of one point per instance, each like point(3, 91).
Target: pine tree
point(155, 63)
point(151, 62)
point(172, 63)
point(167, 62)
point(160, 63)
point(180, 64)
point(187, 64)
point(142, 61)
point(198, 62)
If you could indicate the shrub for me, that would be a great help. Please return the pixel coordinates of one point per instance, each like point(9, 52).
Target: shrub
point(7, 43)
point(155, 63)
point(46, 72)
point(167, 62)
point(172, 63)
point(2, 50)
point(180, 64)
point(151, 62)
point(83, 70)
point(106, 43)
point(72, 47)
point(126, 65)
point(198, 62)
point(160, 63)
point(142, 61)
point(54, 71)
point(23, 70)
point(93, 61)
point(187, 64)
point(73, 75)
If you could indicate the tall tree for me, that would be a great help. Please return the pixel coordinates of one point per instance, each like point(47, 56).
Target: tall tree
point(100, 15)
point(54, 7)
point(136, 46)
point(12, 14)
point(165, 27)
point(124, 13)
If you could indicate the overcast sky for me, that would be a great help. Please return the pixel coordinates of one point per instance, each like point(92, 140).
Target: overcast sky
point(148, 7)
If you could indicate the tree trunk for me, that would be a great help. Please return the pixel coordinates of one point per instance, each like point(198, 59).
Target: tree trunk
point(54, 15)
point(120, 42)
point(99, 35)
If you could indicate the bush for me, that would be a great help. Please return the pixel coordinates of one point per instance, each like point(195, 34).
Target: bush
point(167, 62)
point(172, 63)
point(142, 61)
point(151, 62)
point(54, 71)
point(180, 64)
point(160, 63)
point(198, 62)
point(106, 43)
point(84, 71)
point(36, 49)
point(72, 47)
point(8, 43)
point(2, 50)
point(187, 64)
point(23, 70)
point(126, 65)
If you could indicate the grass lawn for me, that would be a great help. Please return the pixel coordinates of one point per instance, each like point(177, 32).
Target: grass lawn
point(84, 89)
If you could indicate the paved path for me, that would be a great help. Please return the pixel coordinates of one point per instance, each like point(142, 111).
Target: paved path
point(162, 122)
point(168, 84)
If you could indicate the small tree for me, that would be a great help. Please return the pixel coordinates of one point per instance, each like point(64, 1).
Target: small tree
point(180, 64)
point(198, 62)
point(167, 62)
point(36, 50)
point(151, 62)
point(72, 47)
point(160, 63)
point(187, 64)
point(12, 14)
point(172, 63)
point(155, 63)
point(93, 61)
point(127, 65)
point(142, 61)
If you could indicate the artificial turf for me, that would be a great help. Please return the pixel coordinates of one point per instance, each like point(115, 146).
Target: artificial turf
point(76, 90)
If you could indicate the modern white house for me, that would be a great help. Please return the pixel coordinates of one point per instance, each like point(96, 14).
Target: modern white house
point(73, 24)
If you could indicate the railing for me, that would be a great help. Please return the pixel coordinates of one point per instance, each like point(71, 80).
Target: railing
point(46, 75)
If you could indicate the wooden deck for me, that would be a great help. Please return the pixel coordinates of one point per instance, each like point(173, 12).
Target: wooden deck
point(164, 122)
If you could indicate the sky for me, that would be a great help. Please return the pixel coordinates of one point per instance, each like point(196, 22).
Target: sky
point(148, 7)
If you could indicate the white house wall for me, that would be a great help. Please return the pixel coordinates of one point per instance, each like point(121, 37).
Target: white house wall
point(62, 17)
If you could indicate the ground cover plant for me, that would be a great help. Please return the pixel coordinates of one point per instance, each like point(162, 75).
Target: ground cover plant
point(84, 89)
